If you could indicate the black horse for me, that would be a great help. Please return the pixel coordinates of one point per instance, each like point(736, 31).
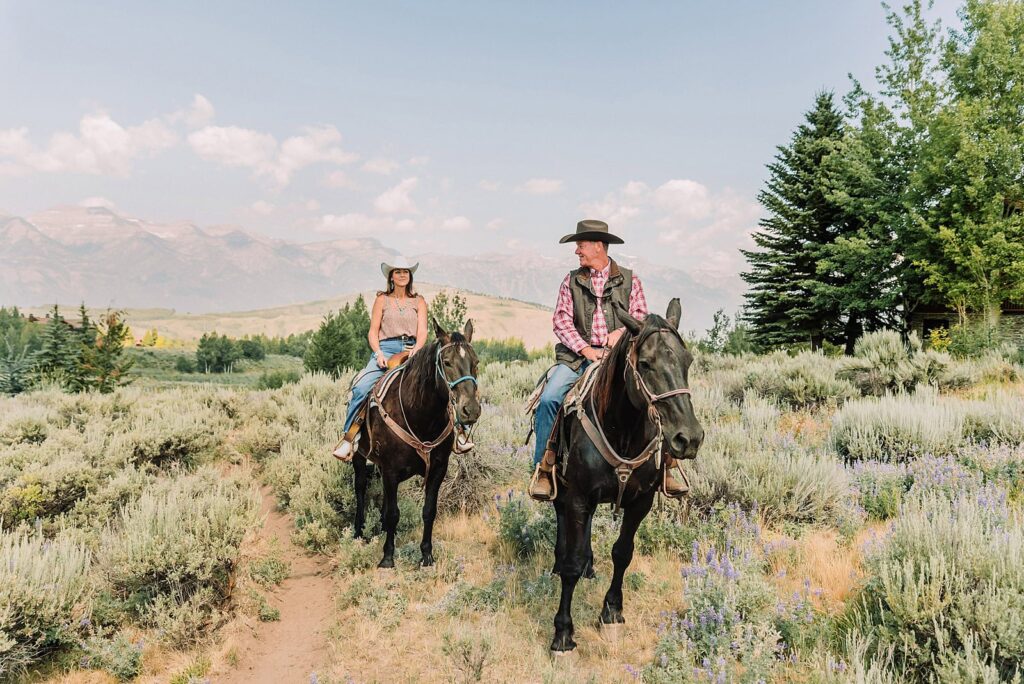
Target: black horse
point(640, 408)
point(412, 433)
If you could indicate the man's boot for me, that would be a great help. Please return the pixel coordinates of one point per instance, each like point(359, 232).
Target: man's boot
point(543, 485)
point(673, 487)
point(462, 444)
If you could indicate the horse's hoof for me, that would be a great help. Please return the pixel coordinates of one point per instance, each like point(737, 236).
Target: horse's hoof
point(564, 655)
point(589, 573)
point(611, 632)
point(386, 564)
point(427, 562)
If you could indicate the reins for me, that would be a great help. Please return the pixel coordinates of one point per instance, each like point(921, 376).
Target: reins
point(407, 435)
point(624, 467)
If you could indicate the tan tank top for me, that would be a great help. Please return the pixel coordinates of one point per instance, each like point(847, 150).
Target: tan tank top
point(399, 320)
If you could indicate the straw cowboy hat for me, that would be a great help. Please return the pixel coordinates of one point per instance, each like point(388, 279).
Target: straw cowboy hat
point(589, 229)
point(400, 262)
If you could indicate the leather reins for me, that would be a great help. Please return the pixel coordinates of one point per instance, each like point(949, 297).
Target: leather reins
point(624, 467)
point(407, 435)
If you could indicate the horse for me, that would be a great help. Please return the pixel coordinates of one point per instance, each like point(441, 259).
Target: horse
point(433, 392)
point(639, 408)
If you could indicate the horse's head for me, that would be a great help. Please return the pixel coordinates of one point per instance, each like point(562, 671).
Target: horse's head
point(456, 365)
point(657, 375)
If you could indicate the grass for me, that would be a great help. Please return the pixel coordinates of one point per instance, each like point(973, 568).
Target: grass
point(122, 502)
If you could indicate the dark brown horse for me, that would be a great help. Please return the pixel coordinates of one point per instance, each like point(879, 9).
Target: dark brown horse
point(640, 408)
point(413, 431)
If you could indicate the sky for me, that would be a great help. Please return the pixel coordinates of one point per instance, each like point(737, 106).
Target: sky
point(460, 127)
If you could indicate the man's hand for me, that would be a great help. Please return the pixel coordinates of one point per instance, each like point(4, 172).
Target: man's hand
point(592, 355)
point(613, 337)
point(382, 361)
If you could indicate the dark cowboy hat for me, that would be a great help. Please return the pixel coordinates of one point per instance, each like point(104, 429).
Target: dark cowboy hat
point(589, 229)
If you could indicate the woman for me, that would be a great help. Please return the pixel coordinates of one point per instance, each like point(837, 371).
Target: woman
point(398, 323)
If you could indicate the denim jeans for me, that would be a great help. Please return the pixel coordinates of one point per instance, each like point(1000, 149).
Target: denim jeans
point(560, 379)
point(369, 375)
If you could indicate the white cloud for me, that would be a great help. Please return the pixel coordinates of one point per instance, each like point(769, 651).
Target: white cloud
point(199, 113)
point(361, 224)
point(243, 147)
point(380, 165)
point(419, 161)
point(494, 224)
point(312, 205)
point(263, 207)
point(542, 186)
point(488, 185)
point(102, 146)
point(685, 199)
point(338, 179)
point(456, 224)
point(396, 200)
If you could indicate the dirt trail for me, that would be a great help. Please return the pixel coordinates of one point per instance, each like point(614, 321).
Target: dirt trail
point(291, 649)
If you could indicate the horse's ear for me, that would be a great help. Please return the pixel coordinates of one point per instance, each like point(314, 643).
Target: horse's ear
point(439, 332)
point(632, 325)
point(674, 313)
point(467, 332)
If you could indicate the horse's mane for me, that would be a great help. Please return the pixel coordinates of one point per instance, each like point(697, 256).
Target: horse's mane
point(422, 364)
point(614, 365)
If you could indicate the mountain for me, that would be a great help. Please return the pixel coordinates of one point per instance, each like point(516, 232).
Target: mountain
point(71, 254)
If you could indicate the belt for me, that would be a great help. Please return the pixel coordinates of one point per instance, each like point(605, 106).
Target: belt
point(404, 339)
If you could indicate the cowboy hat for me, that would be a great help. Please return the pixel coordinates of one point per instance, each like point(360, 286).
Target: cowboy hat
point(400, 262)
point(589, 229)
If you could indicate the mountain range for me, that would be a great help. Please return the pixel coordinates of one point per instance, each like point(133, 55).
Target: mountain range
point(72, 254)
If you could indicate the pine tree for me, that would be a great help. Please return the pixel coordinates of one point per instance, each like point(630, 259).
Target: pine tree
point(781, 305)
point(104, 361)
point(448, 310)
point(59, 353)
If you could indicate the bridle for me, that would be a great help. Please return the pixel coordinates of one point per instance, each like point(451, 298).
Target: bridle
point(624, 467)
point(405, 433)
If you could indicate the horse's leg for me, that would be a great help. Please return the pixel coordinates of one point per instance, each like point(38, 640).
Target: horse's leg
point(389, 519)
point(559, 537)
point(361, 477)
point(588, 568)
point(433, 486)
point(574, 559)
point(622, 555)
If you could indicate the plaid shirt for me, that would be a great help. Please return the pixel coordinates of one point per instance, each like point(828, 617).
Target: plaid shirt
point(562, 320)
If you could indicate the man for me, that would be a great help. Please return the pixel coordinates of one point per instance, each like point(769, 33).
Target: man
point(587, 325)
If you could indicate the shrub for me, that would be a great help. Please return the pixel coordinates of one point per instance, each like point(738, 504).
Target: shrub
point(119, 656)
point(501, 351)
point(44, 593)
point(277, 379)
point(896, 428)
point(184, 364)
point(524, 526)
point(805, 380)
point(946, 589)
point(183, 539)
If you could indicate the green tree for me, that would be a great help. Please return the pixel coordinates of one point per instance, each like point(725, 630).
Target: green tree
point(971, 181)
point(59, 354)
point(216, 353)
point(104, 362)
point(340, 342)
point(449, 310)
point(252, 349)
point(802, 219)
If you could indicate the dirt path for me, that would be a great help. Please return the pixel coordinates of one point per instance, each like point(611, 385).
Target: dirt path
point(294, 647)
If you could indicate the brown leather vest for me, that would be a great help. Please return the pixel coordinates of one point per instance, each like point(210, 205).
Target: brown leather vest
point(584, 303)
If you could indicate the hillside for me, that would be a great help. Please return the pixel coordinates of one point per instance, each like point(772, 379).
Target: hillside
point(493, 318)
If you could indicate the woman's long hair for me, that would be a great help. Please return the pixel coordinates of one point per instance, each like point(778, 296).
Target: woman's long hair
point(409, 291)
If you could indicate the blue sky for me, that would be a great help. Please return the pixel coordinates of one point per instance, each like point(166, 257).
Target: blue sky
point(455, 126)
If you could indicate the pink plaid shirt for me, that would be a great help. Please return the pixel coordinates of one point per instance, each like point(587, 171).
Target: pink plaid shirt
point(562, 320)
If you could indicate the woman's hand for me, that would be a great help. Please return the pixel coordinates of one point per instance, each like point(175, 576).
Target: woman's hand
point(382, 361)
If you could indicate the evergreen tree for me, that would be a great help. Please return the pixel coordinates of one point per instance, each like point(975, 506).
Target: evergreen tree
point(87, 329)
point(104, 361)
point(217, 354)
point(784, 277)
point(59, 355)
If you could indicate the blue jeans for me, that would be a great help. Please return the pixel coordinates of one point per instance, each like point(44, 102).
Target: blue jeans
point(560, 379)
point(369, 375)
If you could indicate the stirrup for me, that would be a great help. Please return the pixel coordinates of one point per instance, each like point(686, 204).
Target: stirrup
point(345, 455)
point(664, 483)
point(535, 480)
point(462, 444)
